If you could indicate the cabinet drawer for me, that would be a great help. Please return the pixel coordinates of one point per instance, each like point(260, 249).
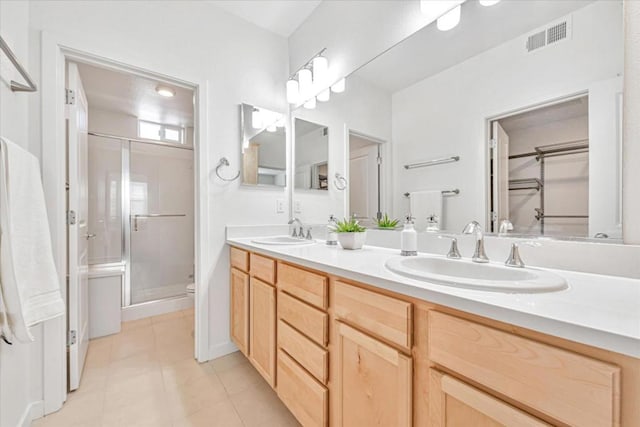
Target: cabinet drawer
point(263, 268)
point(308, 354)
point(568, 387)
point(310, 321)
point(239, 259)
point(386, 317)
point(305, 397)
point(309, 287)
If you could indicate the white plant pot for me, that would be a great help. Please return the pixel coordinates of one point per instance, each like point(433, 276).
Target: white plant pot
point(352, 240)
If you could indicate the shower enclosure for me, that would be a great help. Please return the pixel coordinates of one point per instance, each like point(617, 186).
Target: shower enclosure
point(141, 215)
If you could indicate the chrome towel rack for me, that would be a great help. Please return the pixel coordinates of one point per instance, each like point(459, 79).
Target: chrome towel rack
point(136, 217)
point(433, 162)
point(225, 162)
point(15, 86)
point(453, 192)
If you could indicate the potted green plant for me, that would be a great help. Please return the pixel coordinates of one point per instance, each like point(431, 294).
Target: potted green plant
point(386, 223)
point(351, 235)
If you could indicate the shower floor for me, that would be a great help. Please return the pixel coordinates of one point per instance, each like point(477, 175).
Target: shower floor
point(157, 293)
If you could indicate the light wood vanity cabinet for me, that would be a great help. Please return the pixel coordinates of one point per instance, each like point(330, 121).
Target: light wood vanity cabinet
point(340, 353)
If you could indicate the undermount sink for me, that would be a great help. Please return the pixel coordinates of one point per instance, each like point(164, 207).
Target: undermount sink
point(282, 240)
point(471, 275)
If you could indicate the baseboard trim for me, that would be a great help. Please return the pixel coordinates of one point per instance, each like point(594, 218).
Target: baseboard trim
point(221, 349)
point(32, 412)
point(155, 308)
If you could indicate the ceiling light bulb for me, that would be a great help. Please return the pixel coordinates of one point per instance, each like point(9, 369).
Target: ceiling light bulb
point(293, 91)
point(305, 83)
point(324, 95)
point(165, 91)
point(256, 119)
point(489, 2)
point(339, 86)
point(434, 9)
point(311, 103)
point(320, 70)
point(450, 19)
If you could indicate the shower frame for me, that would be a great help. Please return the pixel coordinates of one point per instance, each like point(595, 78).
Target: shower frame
point(125, 193)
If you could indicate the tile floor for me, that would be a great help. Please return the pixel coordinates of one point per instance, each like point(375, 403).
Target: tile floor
point(146, 376)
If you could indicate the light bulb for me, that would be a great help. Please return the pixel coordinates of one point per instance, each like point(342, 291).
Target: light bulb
point(434, 9)
point(489, 2)
point(165, 91)
point(339, 86)
point(293, 91)
point(450, 19)
point(320, 70)
point(311, 103)
point(256, 119)
point(324, 95)
point(305, 83)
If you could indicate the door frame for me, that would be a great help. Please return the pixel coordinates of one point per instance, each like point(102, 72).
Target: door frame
point(55, 52)
point(384, 151)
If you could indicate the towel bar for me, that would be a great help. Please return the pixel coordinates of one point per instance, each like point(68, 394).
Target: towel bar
point(444, 192)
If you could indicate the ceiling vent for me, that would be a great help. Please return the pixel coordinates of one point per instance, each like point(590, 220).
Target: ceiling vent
point(549, 35)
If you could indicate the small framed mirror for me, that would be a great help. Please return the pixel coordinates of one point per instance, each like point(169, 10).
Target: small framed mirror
point(264, 146)
point(311, 150)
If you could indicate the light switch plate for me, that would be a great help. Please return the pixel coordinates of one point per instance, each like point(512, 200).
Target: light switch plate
point(297, 206)
point(279, 206)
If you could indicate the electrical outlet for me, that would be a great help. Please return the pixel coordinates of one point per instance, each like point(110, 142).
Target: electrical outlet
point(297, 206)
point(279, 206)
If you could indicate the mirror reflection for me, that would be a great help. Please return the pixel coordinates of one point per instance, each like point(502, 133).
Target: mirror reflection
point(264, 147)
point(311, 155)
point(512, 118)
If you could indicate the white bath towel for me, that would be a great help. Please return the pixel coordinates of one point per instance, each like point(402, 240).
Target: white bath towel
point(424, 204)
point(29, 284)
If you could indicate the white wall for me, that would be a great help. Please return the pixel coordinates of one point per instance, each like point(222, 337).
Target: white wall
point(21, 365)
point(362, 108)
point(446, 114)
point(196, 42)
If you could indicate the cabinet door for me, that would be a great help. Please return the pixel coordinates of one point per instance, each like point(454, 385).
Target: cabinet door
point(453, 403)
point(372, 382)
point(262, 330)
point(240, 309)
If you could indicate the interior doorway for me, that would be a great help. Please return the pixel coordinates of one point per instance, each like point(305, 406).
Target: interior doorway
point(365, 178)
point(131, 202)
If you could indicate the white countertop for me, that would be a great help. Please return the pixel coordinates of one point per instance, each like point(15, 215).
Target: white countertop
point(597, 310)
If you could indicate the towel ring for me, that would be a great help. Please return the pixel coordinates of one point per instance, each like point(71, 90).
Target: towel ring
point(340, 182)
point(224, 162)
point(5, 339)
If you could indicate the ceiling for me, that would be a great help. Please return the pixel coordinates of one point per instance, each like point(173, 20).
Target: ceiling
point(430, 51)
point(574, 108)
point(282, 17)
point(135, 96)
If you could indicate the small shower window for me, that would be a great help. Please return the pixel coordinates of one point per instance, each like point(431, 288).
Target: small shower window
point(160, 132)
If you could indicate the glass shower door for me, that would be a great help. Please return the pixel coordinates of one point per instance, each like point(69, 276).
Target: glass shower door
point(161, 221)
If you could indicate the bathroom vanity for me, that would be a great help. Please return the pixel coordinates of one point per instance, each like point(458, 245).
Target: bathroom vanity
point(344, 342)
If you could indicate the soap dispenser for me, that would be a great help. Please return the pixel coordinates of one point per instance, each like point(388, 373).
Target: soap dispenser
point(432, 223)
point(408, 239)
point(332, 236)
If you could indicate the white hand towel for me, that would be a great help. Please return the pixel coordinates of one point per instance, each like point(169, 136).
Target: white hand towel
point(28, 279)
point(423, 204)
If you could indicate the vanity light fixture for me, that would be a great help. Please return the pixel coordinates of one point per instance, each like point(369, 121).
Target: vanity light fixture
point(305, 82)
point(165, 91)
point(320, 71)
point(324, 95)
point(256, 119)
point(339, 86)
point(488, 2)
point(293, 91)
point(434, 9)
point(450, 19)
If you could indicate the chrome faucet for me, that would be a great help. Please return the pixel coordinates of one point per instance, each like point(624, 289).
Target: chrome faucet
point(514, 259)
point(505, 226)
point(299, 234)
point(479, 255)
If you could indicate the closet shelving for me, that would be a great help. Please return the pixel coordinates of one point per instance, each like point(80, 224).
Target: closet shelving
point(541, 153)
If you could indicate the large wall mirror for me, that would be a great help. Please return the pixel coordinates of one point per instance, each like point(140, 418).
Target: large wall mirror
point(512, 118)
point(264, 146)
point(311, 152)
